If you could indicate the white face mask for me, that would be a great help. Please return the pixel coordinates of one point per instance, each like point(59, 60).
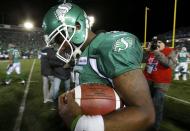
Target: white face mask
point(60, 39)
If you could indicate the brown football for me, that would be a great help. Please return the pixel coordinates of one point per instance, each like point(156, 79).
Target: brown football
point(97, 99)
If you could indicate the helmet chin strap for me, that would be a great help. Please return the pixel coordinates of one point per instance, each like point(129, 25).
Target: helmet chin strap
point(77, 52)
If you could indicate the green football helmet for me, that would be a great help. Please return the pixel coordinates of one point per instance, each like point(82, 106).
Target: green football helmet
point(66, 25)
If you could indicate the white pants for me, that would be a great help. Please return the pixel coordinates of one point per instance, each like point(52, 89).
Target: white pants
point(47, 89)
point(183, 65)
point(67, 84)
point(16, 67)
point(56, 85)
point(52, 91)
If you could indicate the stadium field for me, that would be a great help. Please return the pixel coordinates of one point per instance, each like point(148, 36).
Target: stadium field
point(22, 107)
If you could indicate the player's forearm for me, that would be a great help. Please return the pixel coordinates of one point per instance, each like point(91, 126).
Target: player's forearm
point(10, 61)
point(139, 114)
point(129, 119)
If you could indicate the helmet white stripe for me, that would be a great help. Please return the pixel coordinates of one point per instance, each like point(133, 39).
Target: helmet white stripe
point(117, 100)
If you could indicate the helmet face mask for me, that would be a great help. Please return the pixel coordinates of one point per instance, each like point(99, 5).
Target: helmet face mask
point(60, 39)
point(65, 52)
point(66, 26)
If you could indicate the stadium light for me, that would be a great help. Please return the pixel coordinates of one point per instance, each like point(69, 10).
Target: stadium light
point(92, 20)
point(167, 41)
point(188, 39)
point(28, 25)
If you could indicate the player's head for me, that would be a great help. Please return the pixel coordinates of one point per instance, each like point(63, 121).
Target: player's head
point(67, 26)
point(157, 42)
point(10, 45)
point(184, 49)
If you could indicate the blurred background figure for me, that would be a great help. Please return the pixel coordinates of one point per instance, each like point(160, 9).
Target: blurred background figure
point(182, 67)
point(54, 71)
point(47, 75)
point(61, 73)
point(14, 64)
point(158, 72)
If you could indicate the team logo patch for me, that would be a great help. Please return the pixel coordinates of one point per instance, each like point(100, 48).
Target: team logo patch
point(122, 44)
point(62, 10)
point(82, 61)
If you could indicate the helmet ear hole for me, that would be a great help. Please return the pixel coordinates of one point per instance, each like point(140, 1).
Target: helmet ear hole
point(78, 26)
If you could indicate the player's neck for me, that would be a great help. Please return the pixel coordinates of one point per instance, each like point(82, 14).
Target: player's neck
point(91, 36)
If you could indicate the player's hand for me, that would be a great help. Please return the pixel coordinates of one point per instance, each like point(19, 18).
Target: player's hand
point(68, 108)
point(9, 66)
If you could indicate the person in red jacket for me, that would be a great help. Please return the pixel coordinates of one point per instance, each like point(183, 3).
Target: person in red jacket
point(158, 72)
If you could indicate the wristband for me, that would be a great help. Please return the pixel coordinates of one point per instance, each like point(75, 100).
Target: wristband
point(90, 123)
point(74, 122)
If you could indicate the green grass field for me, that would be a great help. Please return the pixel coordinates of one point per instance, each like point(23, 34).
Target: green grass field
point(38, 116)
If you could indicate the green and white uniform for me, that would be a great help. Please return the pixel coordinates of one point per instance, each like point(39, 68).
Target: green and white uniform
point(14, 66)
point(15, 54)
point(108, 55)
point(182, 56)
point(182, 67)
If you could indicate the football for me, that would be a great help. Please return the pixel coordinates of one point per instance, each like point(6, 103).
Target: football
point(97, 99)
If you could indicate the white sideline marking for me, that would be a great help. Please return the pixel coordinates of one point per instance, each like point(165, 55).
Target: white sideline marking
point(23, 103)
point(177, 99)
point(32, 82)
point(4, 61)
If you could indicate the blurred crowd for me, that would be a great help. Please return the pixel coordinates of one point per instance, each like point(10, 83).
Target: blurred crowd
point(28, 42)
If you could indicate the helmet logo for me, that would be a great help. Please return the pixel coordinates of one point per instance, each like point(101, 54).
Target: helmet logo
point(121, 44)
point(62, 10)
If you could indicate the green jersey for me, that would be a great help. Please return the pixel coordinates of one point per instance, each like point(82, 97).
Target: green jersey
point(182, 56)
point(15, 54)
point(108, 55)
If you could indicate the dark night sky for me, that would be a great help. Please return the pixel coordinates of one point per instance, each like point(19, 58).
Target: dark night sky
point(125, 15)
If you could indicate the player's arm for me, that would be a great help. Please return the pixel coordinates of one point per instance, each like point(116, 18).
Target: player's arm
point(177, 55)
point(68, 109)
point(139, 113)
point(10, 59)
point(188, 55)
point(137, 116)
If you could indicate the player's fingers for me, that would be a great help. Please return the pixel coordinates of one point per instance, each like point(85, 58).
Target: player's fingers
point(61, 100)
point(61, 104)
point(70, 97)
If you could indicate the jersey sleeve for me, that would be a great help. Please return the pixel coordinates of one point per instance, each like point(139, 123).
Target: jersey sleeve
point(10, 52)
point(119, 56)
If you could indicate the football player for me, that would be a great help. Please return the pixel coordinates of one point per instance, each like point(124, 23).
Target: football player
point(182, 67)
point(14, 64)
point(111, 58)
